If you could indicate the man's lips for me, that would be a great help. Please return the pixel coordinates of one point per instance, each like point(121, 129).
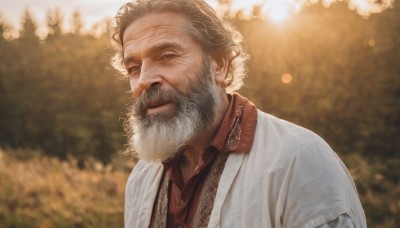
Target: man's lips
point(155, 103)
point(153, 108)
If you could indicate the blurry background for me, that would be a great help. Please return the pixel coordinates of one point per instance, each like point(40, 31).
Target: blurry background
point(330, 66)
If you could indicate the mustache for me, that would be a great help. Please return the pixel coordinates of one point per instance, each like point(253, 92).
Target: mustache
point(155, 97)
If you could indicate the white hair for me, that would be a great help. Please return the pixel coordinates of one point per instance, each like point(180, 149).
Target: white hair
point(158, 139)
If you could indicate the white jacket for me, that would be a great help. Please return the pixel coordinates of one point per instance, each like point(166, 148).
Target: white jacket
point(290, 178)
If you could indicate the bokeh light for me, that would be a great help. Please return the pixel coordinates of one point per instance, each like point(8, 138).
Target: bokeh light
point(371, 42)
point(287, 78)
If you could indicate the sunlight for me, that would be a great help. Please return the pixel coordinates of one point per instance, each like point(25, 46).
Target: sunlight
point(365, 8)
point(362, 6)
point(277, 10)
point(280, 10)
point(327, 3)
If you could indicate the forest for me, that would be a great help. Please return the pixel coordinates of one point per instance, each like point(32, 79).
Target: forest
point(62, 105)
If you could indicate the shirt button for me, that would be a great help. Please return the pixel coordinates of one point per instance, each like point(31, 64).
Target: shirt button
point(181, 202)
point(179, 226)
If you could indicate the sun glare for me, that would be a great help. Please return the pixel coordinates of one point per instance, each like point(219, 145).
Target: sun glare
point(278, 11)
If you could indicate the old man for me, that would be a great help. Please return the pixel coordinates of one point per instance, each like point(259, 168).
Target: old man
point(207, 156)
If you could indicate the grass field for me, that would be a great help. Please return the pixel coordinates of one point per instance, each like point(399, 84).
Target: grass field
point(46, 192)
point(38, 191)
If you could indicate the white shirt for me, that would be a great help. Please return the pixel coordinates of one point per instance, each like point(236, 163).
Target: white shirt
point(290, 178)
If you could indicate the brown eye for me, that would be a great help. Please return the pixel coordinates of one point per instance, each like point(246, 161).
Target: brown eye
point(167, 57)
point(133, 70)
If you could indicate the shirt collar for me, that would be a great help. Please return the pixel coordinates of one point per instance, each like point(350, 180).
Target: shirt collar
point(236, 131)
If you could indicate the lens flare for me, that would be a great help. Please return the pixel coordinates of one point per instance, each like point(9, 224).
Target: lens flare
point(287, 78)
point(371, 42)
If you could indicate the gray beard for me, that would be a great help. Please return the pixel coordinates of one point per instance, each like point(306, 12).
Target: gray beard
point(160, 137)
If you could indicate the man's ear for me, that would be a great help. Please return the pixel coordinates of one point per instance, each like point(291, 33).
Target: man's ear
point(219, 67)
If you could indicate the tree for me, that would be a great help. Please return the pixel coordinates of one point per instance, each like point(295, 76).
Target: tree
point(54, 22)
point(4, 29)
point(77, 23)
point(28, 27)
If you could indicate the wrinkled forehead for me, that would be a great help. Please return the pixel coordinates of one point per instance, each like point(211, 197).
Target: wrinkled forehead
point(153, 23)
point(147, 34)
point(154, 29)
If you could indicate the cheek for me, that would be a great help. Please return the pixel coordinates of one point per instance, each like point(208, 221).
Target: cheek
point(176, 77)
point(134, 88)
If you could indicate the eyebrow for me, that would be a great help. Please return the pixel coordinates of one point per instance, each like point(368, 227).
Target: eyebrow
point(155, 49)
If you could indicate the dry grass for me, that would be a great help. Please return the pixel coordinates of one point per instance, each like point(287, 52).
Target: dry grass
point(37, 191)
point(47, 192)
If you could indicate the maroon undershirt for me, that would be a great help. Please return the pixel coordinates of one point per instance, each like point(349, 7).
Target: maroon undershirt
point(184, 196)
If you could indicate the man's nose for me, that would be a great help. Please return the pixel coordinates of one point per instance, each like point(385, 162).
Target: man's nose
point(149, 77)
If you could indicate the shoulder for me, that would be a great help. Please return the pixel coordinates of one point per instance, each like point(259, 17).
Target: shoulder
point(313, 182)
point(277, 128)
point(288, 150)
point(277, 139)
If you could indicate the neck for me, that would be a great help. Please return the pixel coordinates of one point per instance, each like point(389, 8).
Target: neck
point(194, 149)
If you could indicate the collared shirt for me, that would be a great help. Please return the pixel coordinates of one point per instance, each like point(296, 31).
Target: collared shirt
point(234, 135)
point(290, 178)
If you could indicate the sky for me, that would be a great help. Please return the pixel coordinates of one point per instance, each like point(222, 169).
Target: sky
point(95, 10)
point(92, 10)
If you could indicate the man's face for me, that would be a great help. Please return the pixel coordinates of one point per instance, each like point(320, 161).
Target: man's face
point(198, 98)
point(174, 90)
point(158, 52)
